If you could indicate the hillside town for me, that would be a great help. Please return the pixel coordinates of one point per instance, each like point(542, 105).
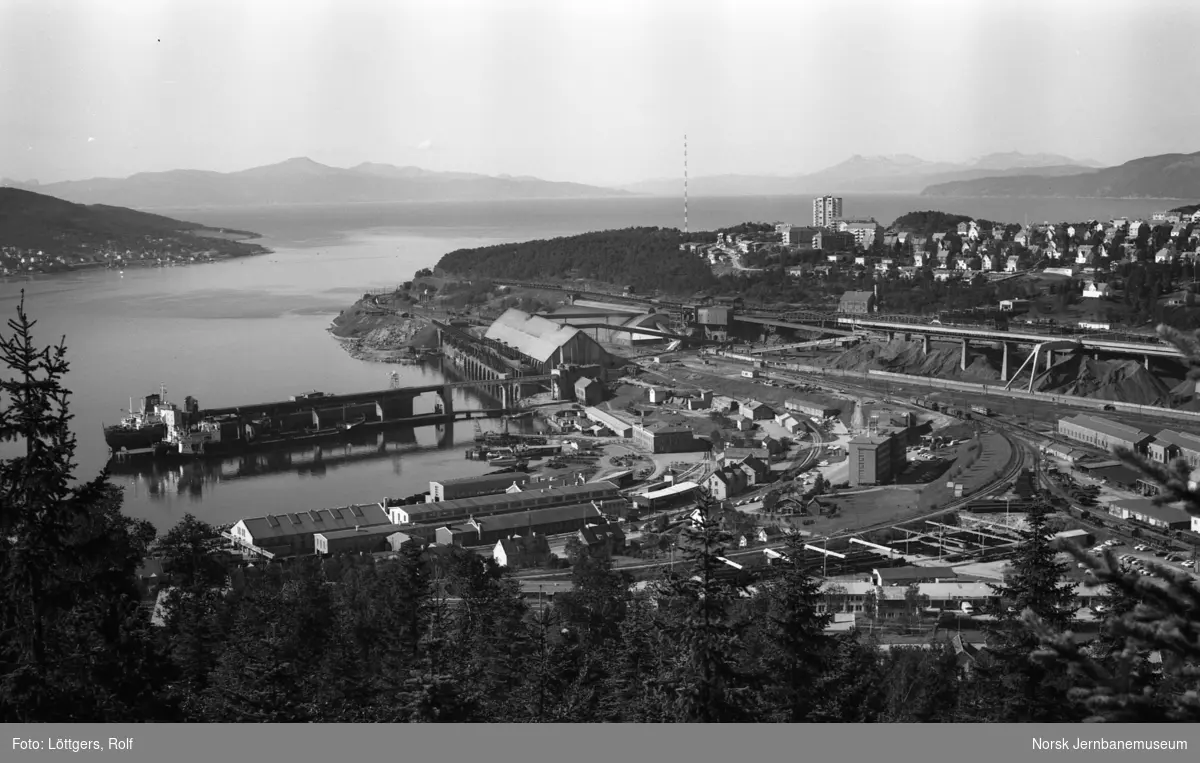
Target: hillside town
point(1094, 257)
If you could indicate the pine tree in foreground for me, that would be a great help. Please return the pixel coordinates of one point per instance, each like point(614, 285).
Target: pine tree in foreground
point(1120, 686)
point(708, 683)
point(74, 645)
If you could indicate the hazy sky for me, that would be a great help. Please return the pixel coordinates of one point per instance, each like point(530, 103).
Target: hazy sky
point(597, 91)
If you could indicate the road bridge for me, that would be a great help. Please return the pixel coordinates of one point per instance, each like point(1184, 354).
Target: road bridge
point(1127, 344)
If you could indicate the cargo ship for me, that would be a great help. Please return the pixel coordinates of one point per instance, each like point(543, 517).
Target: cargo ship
point(143, 428)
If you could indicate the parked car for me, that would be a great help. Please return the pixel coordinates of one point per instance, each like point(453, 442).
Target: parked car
point(1189, 563)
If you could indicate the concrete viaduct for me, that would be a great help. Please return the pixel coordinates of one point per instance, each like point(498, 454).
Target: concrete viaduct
point(1044, 345)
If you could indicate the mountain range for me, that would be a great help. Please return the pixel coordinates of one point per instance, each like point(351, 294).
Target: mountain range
point(304, 181)
point(1168, 176)
point(902, 173)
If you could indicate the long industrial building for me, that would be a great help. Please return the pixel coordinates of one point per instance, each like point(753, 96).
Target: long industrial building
point(445, 512)
point(469, 487)
point(294, 534)
point(1103, 433)
point(486, 531)
point(544, 344)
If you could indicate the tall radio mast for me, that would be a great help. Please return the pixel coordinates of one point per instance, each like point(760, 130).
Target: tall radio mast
point(685, 190)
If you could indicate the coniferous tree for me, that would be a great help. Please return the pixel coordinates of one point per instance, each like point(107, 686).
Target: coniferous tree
point(797, 649)
point(74, 644)
point(1165, 621)
point(709, 685)
point(1020, 689)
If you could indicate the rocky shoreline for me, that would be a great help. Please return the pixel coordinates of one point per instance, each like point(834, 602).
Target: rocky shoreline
point(403, 340)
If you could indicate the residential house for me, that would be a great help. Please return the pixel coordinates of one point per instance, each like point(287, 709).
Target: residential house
point(1084, 254)
point(988, 261)
point(725, 483)
point(857, 302)
point(602, 540)
point(1096, 290)
point(756, 465)
point(1166, 254)
point(1021, 237)
point(769, 535)
point(521, 552)
point(757, 410)
point(1013, 264)
point(919, 259)
point(657, 395)
point(743, 423)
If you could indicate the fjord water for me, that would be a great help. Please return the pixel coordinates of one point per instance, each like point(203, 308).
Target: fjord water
point(254, 330)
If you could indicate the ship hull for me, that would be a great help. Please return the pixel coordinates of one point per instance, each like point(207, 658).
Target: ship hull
point(130, 439)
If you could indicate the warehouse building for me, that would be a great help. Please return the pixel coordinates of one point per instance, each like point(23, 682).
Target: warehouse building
point(904, 576)
point(674, 495)
point(661, 437)
point(1103, 433)
point(1146, 511)
point(544, 344)
point(1169, 446)
point(356, 540)
point(294, 534)
point(816, 408)
point(484, 505)
point(876, 459)
point(486, 531)
point(469, 487)
point(617, 426)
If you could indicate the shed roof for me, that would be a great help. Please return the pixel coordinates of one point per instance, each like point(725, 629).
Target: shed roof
point(316, 521)
point(492, 501)
point(531, 335)
point(1106, 427)
point(1148, 508)
point(858, 296)
point(896, 574)
point(360, 532)
point(522, 520)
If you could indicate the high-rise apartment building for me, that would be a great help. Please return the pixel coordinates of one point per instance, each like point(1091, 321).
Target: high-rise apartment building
point(826, 211)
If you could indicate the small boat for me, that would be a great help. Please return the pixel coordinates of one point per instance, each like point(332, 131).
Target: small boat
point(505, 461)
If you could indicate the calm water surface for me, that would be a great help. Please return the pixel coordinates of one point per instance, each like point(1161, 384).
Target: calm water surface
point(255, 330)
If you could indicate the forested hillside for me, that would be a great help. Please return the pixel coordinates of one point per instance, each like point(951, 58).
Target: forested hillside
point(648, 259)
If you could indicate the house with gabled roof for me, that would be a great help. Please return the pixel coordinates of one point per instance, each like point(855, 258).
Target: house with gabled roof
point(520, 552)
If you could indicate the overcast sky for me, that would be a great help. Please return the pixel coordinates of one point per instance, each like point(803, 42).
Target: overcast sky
point(595, 91)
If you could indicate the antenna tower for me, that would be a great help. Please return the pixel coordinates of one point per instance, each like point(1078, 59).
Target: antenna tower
point(685, 188)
